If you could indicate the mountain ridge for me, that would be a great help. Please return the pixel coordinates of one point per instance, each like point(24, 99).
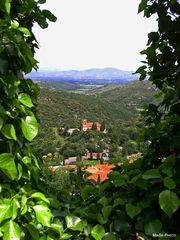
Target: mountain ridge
point(88, 76)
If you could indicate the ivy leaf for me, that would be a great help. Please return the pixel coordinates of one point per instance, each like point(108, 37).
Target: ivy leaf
point(153, 227)
point(43, 214)
point(74, 223)
point(110, 236)
point(106, 210)
point(118, 201)
point(132, 210)
point(66, 236)
point(5, 210)
point(141, 70)
point(152, 173)
point(15, 206)
point(7, 165)
point(98, 232)
point(119, 180)
point(25, 99)
point(57, 227)
point(6, 6)
point(26, 160)
point(24, 30)
point(103, 201)
point(9, 131)
point(29, 127)
point(42, 22)
point(49, 15)
point(11, 231)
point(33, 231)
point(40, 195)
point(169, 202)
point(142, 6)
point(169, 183)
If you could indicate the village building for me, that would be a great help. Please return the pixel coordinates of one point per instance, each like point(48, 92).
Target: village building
point(71, 130)
point(89, 125)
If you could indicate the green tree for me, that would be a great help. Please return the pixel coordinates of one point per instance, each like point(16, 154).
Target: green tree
point(25, 212)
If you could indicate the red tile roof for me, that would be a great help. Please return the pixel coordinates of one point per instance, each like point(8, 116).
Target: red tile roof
point(88, 125)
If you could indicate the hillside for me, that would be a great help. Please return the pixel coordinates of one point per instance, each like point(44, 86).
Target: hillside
point(59, 85)
point(116, 105)
point(113, 105)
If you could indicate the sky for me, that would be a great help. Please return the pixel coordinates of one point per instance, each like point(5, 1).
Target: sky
point(93, 34)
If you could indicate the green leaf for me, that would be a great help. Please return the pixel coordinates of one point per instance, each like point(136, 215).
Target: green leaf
point(169, 202)
point(26, 160)
point(142, 6)
point(119, 180)
point(153, 37)
point(29, 127)
point(49, 238)
point(57, 227)
point(42, 22)
point(41, 1)
point(86, 191)
point(153, 227)
point(106, 210)
point(141, 70)
point(43, 214)
point(103, 201)
point(74, 223)
point(110, 236)
point(7, 165)
point(98, 232)
point(101, 219)
point(15, 206)
point(23, 204)
point(40, 196)
point(121, 223)
point(11, 231)
point(33, 231)
point(66, 236)
point(132, 210)
point(9, 131)
point(24, 30)
point(49, 15)
point(152, 173)
point(169, 183)
point(5, 210)
point(118, 201)
point(1, 123)
point(25, 99)
point(6, 6)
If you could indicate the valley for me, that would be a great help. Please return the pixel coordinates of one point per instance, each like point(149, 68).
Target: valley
point(117, 105)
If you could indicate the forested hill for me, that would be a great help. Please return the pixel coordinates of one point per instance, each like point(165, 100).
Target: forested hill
point(118, 105)
point(121, 103)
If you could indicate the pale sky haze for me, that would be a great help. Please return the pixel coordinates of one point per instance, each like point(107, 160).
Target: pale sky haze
point(93, 34)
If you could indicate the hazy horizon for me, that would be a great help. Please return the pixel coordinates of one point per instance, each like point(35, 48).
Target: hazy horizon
point(78, 69)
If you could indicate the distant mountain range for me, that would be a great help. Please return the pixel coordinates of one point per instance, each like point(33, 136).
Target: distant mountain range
point(90, 76)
